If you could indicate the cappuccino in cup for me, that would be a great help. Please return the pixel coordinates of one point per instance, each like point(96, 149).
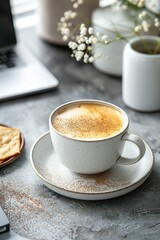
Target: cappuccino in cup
point(88, 136)
point(88, 121)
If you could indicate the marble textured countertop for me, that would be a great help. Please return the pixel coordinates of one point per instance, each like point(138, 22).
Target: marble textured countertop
point(38, 213)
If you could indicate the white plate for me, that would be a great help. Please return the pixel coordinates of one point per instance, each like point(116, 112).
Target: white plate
point(113, 183)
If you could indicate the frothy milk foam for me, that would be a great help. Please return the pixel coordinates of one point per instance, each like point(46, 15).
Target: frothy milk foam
point(88, 121)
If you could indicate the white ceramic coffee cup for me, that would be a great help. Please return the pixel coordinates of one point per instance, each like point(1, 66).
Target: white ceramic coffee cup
point(93, 156)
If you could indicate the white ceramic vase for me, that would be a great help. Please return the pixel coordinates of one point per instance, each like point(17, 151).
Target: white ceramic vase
point(107, 21)
point(50, 12)
point(109, 57)
point(153, 5)
point(141, 75)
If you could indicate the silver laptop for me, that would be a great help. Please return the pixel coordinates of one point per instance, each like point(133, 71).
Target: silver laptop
point(20, 72)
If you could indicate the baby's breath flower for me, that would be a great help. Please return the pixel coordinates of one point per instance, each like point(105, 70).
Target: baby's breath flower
point(98, 35)
point(86, 57)
point(91, 59)
point(65, 38)
point(79, 55)
point(83, 31)
point(67, 14)
point(104, 38)
point(94, 40)
point(75, 5)
point(156, 22)
point(90, 39)
point(138, 3)
point(72, 45)
point(80, 2)
point(83, 39)
point(66, 31)
point(142, 15)
point(145, 26)
point(138, 28)
point(90, 30)
point(62, 19)
point(82, 47)
point(89, 48)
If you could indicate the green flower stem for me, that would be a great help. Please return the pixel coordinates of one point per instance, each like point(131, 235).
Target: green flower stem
point(157, 48)
point(149, 51)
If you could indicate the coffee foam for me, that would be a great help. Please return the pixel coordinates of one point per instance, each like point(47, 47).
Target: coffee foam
point(88, 121)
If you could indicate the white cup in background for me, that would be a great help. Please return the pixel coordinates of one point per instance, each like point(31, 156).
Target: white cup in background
point(141, 74)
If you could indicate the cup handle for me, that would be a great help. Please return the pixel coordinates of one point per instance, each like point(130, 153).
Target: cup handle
point(140, 144)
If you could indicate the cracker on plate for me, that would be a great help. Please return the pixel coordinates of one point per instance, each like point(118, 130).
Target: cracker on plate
point(9, 142)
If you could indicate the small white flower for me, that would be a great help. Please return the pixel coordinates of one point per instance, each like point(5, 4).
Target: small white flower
point(98, 34)
point(73, 45)
point(83, 31)
point(104, 38)
point(75, 5)
point(89, 48)
point(86, 56)
point(95, 40)
point(156, 22)
point(138, 28)
point(73, 15)
point(81, 39)
point(140, 3)
point(91, 59)
point(67, 14)
point(65, 38)
point(63, 31)
point(79, 55)
point(82, 25)
point(82, 47)
point(87, 41)
point(85, 60)
point(90, 39)
point(62, 19)
point(64, 25)
point(90, 30)
point(66, 31)
point(145, 26)
point(142, 15)
point(80, 2)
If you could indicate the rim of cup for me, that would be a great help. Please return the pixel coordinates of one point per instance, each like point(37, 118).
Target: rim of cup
point(75, 102)
point(139, 39)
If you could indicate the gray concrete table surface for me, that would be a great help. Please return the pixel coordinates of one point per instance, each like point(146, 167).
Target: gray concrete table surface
point(35, 211)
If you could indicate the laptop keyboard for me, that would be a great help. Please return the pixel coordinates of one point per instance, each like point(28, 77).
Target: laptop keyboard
point(9, 59)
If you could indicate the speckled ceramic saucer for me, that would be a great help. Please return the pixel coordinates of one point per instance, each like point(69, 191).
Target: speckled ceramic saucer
point(113, 183)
